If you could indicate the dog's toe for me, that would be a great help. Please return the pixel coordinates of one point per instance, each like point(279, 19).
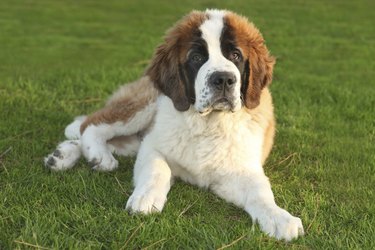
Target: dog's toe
point(57, 153)
point(50, 161)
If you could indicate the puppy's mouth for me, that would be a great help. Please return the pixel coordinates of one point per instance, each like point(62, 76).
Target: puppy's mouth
point(222, 103)
point(219, 104)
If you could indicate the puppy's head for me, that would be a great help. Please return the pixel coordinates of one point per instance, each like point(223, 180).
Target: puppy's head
point(213, 60)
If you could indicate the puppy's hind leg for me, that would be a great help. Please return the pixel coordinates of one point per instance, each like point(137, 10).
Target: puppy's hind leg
point(67, 152)
point(128, 114)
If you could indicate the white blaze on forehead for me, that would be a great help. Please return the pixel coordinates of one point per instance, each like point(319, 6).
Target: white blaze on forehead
point(212, 29)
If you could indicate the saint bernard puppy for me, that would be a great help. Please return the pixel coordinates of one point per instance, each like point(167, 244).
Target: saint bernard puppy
point(202, 112)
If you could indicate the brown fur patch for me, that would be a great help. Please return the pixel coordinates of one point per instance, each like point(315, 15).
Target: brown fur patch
point(257, 99)
point(165, 66)
point(124, 104)
point(263, 114)
point(261, 63)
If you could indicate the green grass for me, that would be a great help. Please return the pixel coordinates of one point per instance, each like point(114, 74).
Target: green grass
point(59, 59)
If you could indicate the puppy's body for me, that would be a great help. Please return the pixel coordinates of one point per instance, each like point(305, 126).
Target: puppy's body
point(202, 113)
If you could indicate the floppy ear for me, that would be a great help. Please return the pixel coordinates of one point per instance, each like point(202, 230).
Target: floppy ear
point(165, 72)
point(258, 69)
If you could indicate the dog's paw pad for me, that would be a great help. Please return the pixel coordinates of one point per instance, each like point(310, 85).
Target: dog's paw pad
point(57, 153)
point(64, 157)
point(49, 161)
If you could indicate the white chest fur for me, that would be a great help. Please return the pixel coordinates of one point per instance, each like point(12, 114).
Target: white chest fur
point(195, 145)
point(220, 151)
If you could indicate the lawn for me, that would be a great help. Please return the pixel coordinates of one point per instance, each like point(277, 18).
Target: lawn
point(60, 59)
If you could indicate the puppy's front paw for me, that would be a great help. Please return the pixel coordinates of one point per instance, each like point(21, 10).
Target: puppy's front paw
point(146, 203)
point(65, 156)
point(281, 224)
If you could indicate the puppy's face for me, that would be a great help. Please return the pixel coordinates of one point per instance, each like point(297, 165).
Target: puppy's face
point(207, 62)
point(215, 64)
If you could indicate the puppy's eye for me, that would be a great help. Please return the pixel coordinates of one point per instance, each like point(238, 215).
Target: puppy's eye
point(197, 58)
point(235, 56)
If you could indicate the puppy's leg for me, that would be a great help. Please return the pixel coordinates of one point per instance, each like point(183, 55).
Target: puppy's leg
point(152, 181)
point(68, 152)
point(129, 111)
point(96, 136)
point(98, 141)
point(65, 156)
point(252, 191)
point(95, 148)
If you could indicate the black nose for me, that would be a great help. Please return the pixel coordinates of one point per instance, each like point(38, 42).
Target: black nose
point(222, 79)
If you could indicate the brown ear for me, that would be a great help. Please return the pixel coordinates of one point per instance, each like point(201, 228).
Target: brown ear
point(166, 69)
point(259, 67)
point(165, 72)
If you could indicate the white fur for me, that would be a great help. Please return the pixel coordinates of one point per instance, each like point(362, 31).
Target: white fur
point(65, 156)
point(94, 143)
point(220, 151)
point(211, 32)
point(94, 139)
point(67, 152)
point(128, 147)
point(72, 130)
